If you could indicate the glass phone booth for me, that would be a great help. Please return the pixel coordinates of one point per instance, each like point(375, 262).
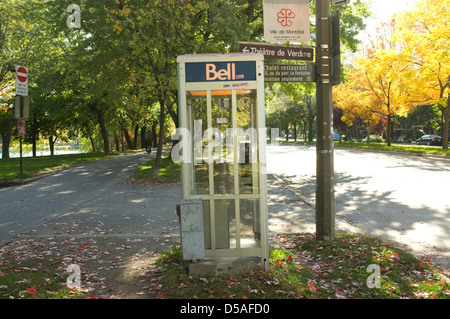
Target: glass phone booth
point(222, 138)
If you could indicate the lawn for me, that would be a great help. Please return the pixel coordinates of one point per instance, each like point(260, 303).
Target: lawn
point(304, 268)
point(301, 267)
point(416, 149)
point(169, 172)
point(31, 166)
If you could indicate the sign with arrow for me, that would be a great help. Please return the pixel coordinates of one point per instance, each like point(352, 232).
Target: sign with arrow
point(278, 52)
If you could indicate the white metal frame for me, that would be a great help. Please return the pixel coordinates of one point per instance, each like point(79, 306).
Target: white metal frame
point(186, 168)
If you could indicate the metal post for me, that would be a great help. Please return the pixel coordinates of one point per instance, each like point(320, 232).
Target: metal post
point(325, 207)
point(21, 116)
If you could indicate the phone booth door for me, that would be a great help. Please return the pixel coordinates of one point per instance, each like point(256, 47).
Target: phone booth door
point(221, 106)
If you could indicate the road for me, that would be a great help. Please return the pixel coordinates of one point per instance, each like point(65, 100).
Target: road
point(89, 199)
point(398, 197)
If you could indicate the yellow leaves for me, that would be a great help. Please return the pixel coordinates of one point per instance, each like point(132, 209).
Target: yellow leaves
point(424, 35)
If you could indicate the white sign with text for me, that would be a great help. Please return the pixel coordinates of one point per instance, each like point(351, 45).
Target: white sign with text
point(286, 21)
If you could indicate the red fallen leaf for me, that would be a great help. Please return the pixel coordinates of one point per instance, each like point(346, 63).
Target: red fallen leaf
point(311, 287)
point(32, 291)
point(234, 279)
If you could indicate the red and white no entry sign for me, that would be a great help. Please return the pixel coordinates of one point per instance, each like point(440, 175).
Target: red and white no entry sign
point(22, 74)
point(21, 80)
point(21, 126)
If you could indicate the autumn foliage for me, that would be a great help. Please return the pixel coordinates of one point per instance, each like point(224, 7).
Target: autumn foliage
point(406, 65)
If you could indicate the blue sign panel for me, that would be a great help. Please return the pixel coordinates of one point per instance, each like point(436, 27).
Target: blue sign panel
point(221, 71)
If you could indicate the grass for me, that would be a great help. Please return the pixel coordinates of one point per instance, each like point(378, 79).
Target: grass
point(304, 268)
point(31, 166)
point(34, 278)
point(300, 268)
point(169, 172)
point(417, 149)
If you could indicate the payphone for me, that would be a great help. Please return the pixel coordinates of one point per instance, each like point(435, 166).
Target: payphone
point(221, 150)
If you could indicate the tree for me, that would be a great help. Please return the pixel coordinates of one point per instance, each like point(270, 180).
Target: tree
point(161, 30)
point(424, 36)
point(378, 87)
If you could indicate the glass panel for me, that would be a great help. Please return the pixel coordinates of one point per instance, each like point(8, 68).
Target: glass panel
point(225, 221)
point(247, 142)
point(250, 223)
point(221, 108)
point(196, 101)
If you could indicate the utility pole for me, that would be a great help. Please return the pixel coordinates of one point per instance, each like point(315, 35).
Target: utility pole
point(325, 206)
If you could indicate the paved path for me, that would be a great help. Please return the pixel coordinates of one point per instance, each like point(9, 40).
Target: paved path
point(92, 198)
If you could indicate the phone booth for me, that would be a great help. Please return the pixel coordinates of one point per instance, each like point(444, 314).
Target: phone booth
point(221, 147)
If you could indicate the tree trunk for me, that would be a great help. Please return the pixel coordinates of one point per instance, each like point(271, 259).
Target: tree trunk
point(136, 134)
point(311, 127)
point(92, 143)
point(127, 138)
point(6, 134)
point(103, 129)
point(143, 134)
point(51, 143)
point(34, 146)
point(446, 113)
point(117, 142)
point(162, 115)
point(389, 130)
point(154, 136)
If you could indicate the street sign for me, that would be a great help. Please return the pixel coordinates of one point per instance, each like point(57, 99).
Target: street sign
point(286, 21)
point(337, 3)
point(21, 80)
point(22, 106)
point(278, 52)
point(336, 48)
point(289, 73)
point(21, 126)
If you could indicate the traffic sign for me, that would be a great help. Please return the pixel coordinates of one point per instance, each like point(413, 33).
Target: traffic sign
point(22, 106)
point(21, 80)
point(299, 53)
point(289, 73)
point(21, 126)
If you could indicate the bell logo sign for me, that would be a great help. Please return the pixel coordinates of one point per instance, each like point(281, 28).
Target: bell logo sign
point(222, 74)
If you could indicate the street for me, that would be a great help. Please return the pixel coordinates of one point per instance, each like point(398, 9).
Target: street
point(398, 197)
point(91, 199)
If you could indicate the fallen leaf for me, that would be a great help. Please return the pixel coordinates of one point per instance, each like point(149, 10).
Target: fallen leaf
point(32, 291)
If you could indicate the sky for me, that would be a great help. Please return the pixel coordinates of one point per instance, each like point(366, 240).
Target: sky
point(382, 11)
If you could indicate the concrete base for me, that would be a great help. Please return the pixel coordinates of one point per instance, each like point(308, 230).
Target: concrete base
point(213, 267)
